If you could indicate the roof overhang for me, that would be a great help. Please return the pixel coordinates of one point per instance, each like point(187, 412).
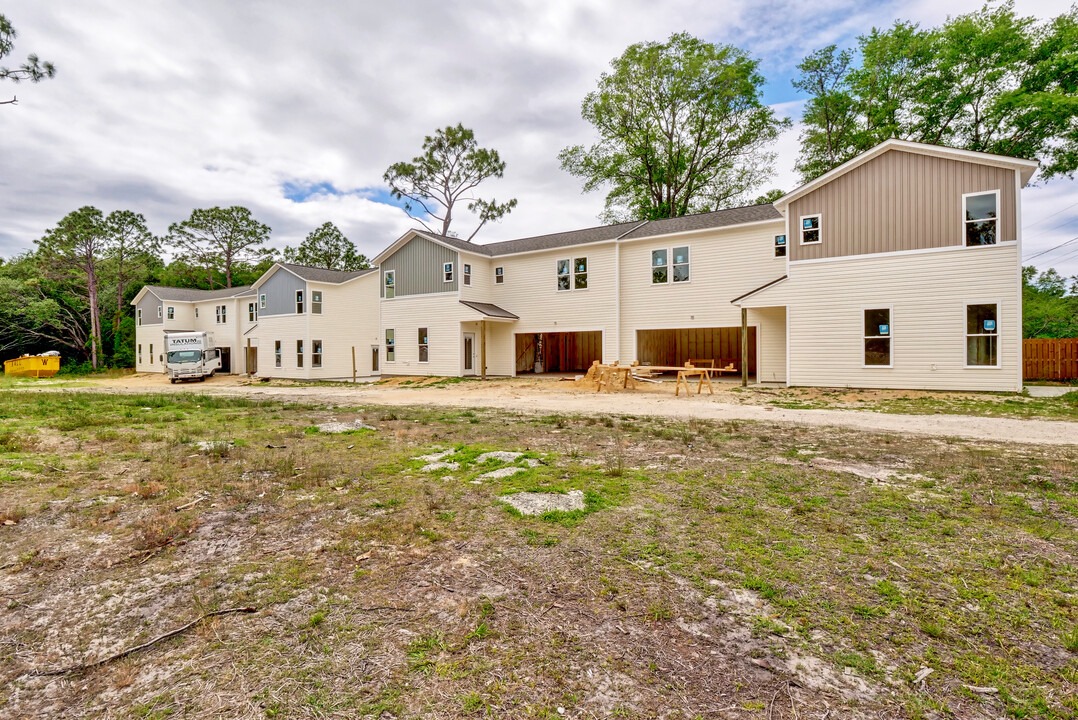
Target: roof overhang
point(270, 273)
point(490, 311)
point(740, 299)
point(413, 233)
point(142, 293)
point(1024, 167)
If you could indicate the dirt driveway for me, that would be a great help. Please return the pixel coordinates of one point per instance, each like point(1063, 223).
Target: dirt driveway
point(548, 396)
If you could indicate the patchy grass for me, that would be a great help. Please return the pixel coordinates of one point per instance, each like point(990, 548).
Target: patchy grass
point(712, 560)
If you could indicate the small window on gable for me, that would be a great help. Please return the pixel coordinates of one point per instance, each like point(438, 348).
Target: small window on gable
point(299, 302)
point(447, 272)
point(982, 335)
point(158, 312)
point(810, 230)
point(172, 313)
point(316, 302)
point(467, 274)
point(262, 301)
point(424, 346)
point(981, 217)
point(138, 316)
point(390, 288)
point(499, 275)
point(780, 246)
point(878, 337)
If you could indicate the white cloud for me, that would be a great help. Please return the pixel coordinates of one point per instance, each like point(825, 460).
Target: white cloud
point(162, 108)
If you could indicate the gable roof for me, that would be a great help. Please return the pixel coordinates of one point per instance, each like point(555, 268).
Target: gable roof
point(1025, 168)
point(490, 310)
point(323, 275)
point(192, 295)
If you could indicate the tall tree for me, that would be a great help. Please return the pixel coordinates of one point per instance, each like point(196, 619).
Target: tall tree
point(38, 313)
point(1049, 307)
point(990, 80)
point(219, 239)
point(131, 251)
point(682, 129)
point(448, 172)
point(34, 69)
point(72, 251)
point(327, 247)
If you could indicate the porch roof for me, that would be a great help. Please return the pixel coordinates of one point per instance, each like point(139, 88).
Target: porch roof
point(490, 310)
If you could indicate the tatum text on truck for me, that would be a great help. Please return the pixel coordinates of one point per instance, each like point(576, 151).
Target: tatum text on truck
point(190, 356)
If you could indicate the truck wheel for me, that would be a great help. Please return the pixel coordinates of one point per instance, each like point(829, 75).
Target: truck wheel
point(172, 380)
point(202, 378)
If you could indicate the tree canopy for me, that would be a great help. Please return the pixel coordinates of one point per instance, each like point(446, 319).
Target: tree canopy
point(327, 247)
point(1049, 306)
point(446, 175)
point(33, 69)
point(220, 238)
point(682, 129)
point(990, 81)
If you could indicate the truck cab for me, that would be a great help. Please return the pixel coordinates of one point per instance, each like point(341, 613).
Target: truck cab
point(191, 356)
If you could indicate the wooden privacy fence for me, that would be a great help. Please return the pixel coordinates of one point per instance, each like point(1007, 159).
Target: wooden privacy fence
point(1045, 359)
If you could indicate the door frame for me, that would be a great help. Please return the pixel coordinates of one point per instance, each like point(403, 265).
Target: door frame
point(465, 371)
point(376, 359)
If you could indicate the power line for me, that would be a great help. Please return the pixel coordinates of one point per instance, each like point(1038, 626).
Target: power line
point(1027, 227)
point(1045, 252)
point(1065, 223)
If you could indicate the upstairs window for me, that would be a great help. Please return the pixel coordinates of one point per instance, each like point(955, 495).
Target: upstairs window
point(138, 316)
point(299, 302)
point(780, 246)
point(391, 346)
point(316, 352)
point(390, 288)
point(424, 346)
point(447, 272)
point(262, 301)
point(252, 312)
point(316, 302)
point(670, 265)
point(573, 275)
point(499, 275)
point(222, 314)
point(172, 313)
point(982, 335)
point(467, 274)
point(196, 312)
point(299, 353)
point(810, 230)
point(981, 218)
point(277, 353)
point(878, 337)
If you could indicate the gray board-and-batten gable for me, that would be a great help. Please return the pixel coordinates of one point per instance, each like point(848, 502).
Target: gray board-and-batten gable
point(280, 291)
point(148, 305)
point(418, 266)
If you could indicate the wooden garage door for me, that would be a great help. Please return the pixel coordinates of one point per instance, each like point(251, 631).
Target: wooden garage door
point(677, 346)
point(562, 352)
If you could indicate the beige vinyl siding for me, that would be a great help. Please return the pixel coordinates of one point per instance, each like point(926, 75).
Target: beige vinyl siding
point(417, 268)
point(288, 329)
point(928, 293)
point(723, 264)
point(183, 316)
point(441, 315)
point(349, 319)
point(146, 336)
point(898, 201)
point(531, 292)
point(482, 278)
point(771, 343)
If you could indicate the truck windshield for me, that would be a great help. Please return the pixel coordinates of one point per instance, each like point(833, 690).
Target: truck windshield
point(185, 356)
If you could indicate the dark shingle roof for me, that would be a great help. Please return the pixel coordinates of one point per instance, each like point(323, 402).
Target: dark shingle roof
point(627, 230)
point(325, 276)
point(490, 310)
point(192, 295)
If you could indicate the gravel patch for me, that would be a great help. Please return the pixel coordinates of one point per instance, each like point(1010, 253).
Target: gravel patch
point(213, 445)
point(497, 455)
point(334, 428)
point(501, 473)
point(530, 503)
point(431, 467)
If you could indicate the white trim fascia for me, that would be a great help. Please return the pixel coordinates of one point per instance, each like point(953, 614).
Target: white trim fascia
point(1018, 242)
point(142, 293)
point(801, 230)
point(617, 297)
point(895, 253)
point(269, 273)
point(998, 218)
point(455, 294)
point(699, 231)
point(490, 318)
point(787, 345)
point(890, 335)
point(966, 335)
point(1018, 164)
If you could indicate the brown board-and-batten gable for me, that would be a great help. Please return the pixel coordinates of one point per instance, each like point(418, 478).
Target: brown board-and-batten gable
point(898, 201)
point(418, 268)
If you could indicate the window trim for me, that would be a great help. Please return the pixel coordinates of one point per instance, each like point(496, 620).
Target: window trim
point(890, 335)
point(196, 310)
point(278, 354)
point(159, 311)
point(300, 304)
point(138, 317)
point(222, 314)
point(316, 354)
point(448, 275)
point(262, 301)
point(140, 353)
point(151, 353)
point(669, 266)
point(785, 244)
point(388, 287)
point(499, 275)
point(573, 273)
point(170, 312)
point(299, 354)
point(962, 218)
point(390, 345)
point(423, 331)
point(466, 273)
point(315, 302)
point(801, 229)
point(252, 312)
point(966, 336)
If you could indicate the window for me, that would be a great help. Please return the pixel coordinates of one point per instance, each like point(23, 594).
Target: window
point(277, 353)
point(252, 312)
point(151, 353)
point(299, 353)
point(316, 302)
point(810, 229)
point(982, 335)
point(140, 353)
point(467, 274)
point(172, 313)
point(981, 218)
point(389, 286)
point(222, 314)
point(316, 349)
point(573, 275)
point(423, 345)
point(262, 301)
point(158, 312)
point(499, 275)
point(447, 272)
point(138, 316)
point(878, 337)
point(299, 302)
point(391, 352)
point(663, 270)
point(196, 312)
point(780, 246)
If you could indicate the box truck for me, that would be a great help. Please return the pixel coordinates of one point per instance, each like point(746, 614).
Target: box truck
point(190, 356)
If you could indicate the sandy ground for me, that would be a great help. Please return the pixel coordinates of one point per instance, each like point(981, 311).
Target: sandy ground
point(549, 395)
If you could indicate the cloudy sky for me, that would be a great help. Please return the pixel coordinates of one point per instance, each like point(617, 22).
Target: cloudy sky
point(295, 109)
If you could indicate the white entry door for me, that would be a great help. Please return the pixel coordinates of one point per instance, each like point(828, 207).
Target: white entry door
point(469, 353)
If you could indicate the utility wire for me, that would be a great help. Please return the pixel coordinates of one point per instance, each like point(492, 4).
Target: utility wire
point(1027, 227)
point(1045, 252)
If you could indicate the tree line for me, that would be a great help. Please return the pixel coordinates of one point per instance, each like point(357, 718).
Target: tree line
point(72, 291)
